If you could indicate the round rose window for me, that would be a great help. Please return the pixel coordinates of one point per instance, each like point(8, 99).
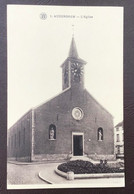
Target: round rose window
point(77, 113)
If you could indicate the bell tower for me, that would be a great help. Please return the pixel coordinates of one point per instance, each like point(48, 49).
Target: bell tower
point(73, 69)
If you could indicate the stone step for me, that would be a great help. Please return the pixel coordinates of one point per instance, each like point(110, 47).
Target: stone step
point(85, 158)
point(80, 158)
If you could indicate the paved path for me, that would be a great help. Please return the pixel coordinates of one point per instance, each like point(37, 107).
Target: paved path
point(24, 174)
point(28, 174)
point(51, 177)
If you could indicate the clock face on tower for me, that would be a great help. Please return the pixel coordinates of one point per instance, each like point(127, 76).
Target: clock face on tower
point(77, 71)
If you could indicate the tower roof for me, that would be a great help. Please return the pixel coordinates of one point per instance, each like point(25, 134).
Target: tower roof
point(73, 50)
point(73, 54)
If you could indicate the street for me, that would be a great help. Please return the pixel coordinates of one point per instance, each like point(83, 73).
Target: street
point(27, 174)
point(24, 174)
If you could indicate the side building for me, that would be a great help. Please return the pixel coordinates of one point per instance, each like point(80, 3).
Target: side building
point(119, 140)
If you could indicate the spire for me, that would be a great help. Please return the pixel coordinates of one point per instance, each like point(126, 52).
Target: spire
point(73, 54)
point(73, 50)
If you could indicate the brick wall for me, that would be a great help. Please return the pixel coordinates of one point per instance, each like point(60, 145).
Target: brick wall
point(58, 111)
point(19, 138)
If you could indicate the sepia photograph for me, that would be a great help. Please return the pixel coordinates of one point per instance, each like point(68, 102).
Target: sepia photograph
point(65, 97)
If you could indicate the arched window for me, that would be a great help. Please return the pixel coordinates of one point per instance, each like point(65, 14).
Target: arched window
point(52, 132)
point(24, 136)
point(12, 141)
point(19, 138)
point(100, 134)
point(15, 140)
point(9, 143)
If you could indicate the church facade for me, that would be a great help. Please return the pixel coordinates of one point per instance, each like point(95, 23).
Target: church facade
point(72, 124)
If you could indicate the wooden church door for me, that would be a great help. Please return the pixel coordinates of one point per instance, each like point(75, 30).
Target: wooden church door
point(77, 145)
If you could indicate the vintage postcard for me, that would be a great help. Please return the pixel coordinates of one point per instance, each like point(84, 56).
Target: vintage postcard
point(65, 97)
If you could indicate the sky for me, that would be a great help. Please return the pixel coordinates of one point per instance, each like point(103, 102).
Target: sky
point(37, 47)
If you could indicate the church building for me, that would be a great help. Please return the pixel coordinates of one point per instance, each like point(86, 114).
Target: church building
point(71, 124)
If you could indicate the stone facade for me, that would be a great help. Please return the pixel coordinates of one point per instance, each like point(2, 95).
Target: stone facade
point(71, 124)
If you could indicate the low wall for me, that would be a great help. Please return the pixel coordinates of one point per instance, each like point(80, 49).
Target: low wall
point(50, 157)
point(61, 157)
point(20, 159)
point(57, 157)
point(83, 176)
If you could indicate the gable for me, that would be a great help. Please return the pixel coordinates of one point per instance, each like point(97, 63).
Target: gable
point(60, 99)
point(96, 103)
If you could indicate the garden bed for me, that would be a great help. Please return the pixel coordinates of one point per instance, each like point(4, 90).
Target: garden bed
point(86, 167)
